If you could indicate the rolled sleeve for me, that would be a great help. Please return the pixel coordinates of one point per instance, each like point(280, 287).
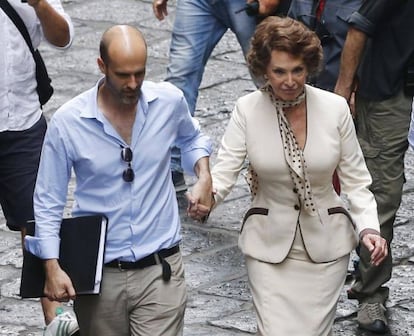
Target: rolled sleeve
point(189, 159)
point(50, 194)
point(362, 23)
point(192, 142)
point(370, 15)
point(57, 6)
point(44, 248)
point(71, 31)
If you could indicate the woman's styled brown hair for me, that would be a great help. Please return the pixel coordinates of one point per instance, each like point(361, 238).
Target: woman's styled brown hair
point(283, 34)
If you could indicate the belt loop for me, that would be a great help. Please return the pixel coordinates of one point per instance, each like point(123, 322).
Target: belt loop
point(119, 265)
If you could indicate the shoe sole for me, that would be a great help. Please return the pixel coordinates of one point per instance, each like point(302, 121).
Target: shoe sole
point(374, 330)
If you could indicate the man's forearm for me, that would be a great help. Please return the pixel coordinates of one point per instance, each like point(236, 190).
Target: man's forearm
point(55, 27)
point(51, 266)
point(202, 168)
point(350, 59)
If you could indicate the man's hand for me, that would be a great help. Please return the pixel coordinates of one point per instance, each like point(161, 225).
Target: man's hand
point(199, 208)
point(267, 7)
point(200, 198)
point(159, 8)
point(377, 246)
point(58, 286)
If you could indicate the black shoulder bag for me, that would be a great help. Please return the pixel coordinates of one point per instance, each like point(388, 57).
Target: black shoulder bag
point(44, 86)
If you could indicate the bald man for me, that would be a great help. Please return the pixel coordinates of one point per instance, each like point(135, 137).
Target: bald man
point(117, 138)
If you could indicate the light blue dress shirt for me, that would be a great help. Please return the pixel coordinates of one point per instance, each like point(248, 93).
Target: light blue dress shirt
point(143, 214)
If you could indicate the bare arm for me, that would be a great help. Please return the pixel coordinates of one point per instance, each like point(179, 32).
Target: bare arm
point(350, 59)
point(54, 26)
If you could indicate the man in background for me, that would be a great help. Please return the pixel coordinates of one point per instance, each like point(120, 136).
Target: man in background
point(198, 27)
point(330, 20)
point(22, 124)
point(375, 60)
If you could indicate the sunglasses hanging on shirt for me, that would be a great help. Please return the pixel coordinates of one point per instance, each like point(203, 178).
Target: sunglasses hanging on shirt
point(126, 155)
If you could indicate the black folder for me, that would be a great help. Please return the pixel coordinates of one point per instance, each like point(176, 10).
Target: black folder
point(81, 256)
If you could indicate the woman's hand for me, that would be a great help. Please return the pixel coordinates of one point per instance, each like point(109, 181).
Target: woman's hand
point(200, 204)
point(376, 245)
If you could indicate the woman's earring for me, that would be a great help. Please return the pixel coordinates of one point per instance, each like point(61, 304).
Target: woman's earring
point(265, 77)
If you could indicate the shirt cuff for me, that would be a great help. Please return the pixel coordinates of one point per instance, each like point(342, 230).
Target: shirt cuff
point(362, 23)
point(189, 159)
point(44, 248)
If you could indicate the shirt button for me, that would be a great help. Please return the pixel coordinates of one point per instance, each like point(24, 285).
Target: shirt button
point(297, 207)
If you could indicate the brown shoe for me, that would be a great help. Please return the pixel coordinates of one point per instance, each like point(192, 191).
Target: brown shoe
point(371, 316)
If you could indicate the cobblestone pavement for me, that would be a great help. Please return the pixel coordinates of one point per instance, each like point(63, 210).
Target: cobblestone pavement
point(219, 301)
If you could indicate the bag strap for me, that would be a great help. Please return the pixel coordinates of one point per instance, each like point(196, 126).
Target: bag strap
point(18, 22)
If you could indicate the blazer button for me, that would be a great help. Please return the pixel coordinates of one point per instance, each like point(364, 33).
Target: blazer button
point(297, 207)
point(295, 190)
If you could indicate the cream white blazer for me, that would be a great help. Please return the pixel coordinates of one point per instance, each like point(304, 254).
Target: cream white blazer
point(269, 226)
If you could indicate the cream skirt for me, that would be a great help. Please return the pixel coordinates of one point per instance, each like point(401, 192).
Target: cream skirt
point(296, 297)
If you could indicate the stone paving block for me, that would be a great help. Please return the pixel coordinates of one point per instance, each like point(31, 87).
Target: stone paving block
point(240, 321)
point(236, 288)
point(204, 270)
point(13, 256)
point(202, 308)
point(403, 245)
point(210, 330)
point(401, 285)
point(10, 289)
point(201, 240)
point(11, 330)
point(21, 313)
point(8, 240)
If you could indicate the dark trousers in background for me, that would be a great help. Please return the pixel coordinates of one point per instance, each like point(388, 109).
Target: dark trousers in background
point(19, 162)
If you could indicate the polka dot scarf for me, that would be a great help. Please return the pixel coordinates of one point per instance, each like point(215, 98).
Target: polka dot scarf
point(293, 154)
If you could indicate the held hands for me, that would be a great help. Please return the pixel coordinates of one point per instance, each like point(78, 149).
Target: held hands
point(377, 246)
point(58, 286)
point(200, 200)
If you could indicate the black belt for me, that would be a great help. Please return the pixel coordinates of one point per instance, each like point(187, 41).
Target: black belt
point(152, 259)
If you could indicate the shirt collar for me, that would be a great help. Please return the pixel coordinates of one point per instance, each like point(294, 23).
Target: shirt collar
point(147, 96)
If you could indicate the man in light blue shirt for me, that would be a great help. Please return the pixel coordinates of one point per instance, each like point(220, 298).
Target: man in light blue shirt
point(117, 138)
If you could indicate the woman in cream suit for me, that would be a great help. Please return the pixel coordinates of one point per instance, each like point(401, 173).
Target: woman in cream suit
point(298, 233)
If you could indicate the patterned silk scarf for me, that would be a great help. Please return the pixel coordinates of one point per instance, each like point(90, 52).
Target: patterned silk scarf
point(293, 153)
